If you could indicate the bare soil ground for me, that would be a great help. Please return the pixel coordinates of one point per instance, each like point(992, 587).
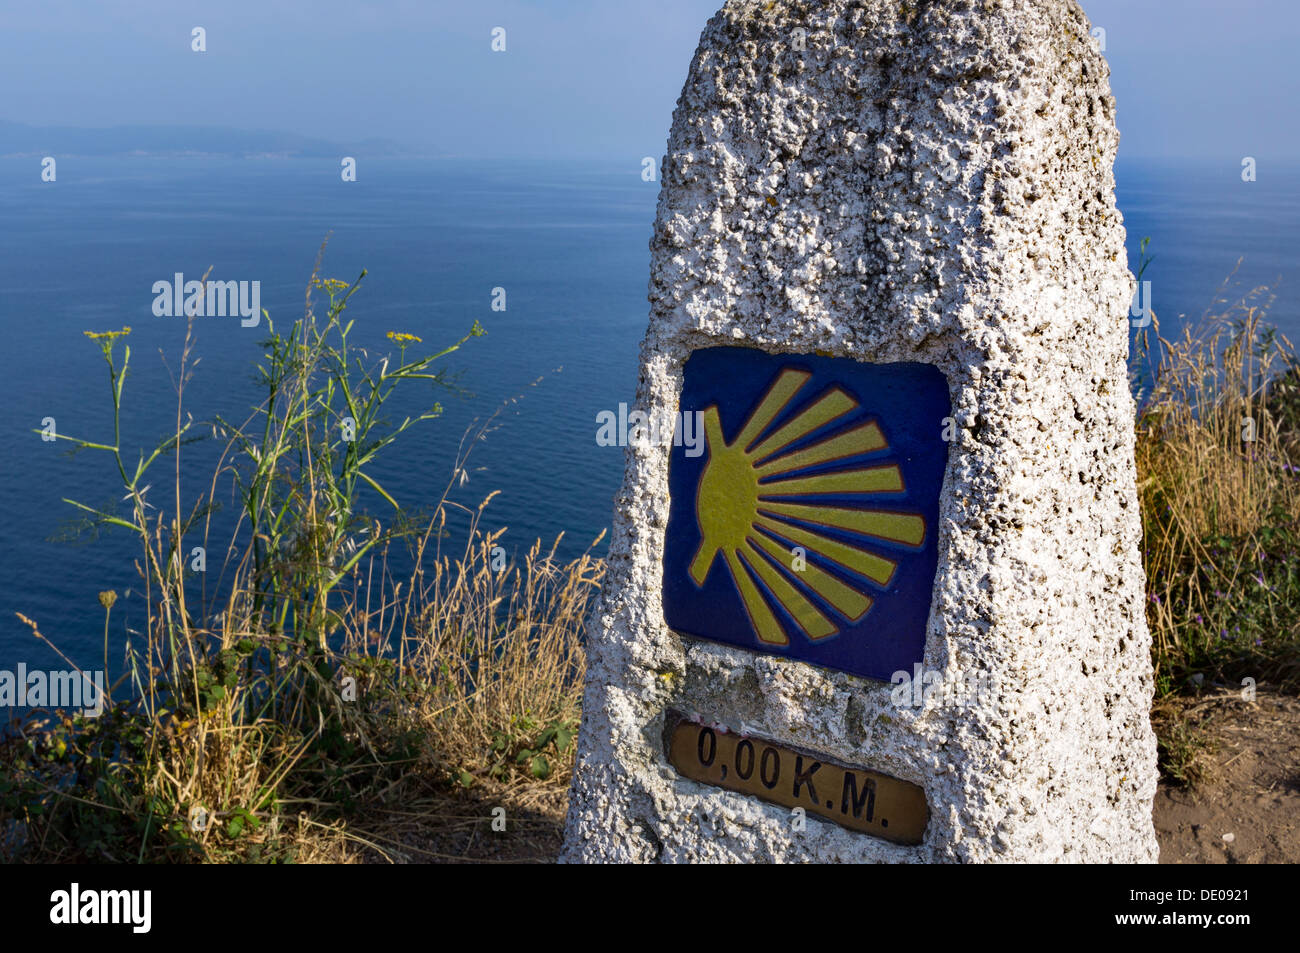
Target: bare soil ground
point(1247, 808)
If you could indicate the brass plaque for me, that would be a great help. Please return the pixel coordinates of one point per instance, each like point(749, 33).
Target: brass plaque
point(855, 798)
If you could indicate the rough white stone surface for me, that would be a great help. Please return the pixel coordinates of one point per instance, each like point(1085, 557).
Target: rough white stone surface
point(925, 181)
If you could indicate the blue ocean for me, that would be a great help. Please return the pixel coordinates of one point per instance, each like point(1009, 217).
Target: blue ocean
point(567, 241)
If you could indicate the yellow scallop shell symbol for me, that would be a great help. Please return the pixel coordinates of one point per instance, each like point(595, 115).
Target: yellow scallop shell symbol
point(745, 514)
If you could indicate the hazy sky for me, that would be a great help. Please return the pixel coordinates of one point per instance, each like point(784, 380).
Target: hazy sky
point(579, 77)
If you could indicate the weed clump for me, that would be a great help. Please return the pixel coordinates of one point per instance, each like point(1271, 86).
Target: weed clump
point(313, 683)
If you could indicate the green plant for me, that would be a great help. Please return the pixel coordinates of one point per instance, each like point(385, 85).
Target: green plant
point(307, 683)
point(1183, 747)
point(1219, 484)
point(525, 743)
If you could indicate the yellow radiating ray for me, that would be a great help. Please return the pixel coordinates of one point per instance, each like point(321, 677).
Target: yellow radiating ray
point(702, 560)
point(876, 568)
point(864, 439)
point(763, 619)
point(896, 527)
point(774, 401)
point(731, 505)
point(814, 624)
point(713, 428)
point(846, 600)
point(827, 408)
point(883, 479)
point(708, 548)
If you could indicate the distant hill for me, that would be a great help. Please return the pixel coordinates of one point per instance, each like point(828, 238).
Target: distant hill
point(20, 139)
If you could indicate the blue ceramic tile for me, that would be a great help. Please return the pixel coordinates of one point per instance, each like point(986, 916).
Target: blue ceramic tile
point(807, 527)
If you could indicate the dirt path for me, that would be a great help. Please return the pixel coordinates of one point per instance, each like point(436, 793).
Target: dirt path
point(1247, 811)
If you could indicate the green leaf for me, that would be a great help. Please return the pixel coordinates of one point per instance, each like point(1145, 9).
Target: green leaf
point(562, 739)
point(540, 767)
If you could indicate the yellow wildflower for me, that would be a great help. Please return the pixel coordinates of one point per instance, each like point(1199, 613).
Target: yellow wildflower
point(96, 335)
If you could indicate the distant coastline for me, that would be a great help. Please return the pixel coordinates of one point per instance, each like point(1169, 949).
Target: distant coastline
point(19, 140)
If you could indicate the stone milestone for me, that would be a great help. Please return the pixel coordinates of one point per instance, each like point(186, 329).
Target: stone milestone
point(894, 610)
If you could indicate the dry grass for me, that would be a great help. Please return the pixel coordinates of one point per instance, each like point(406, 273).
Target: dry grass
point(1220, 497)
point(497, 647)
point(296, 691)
